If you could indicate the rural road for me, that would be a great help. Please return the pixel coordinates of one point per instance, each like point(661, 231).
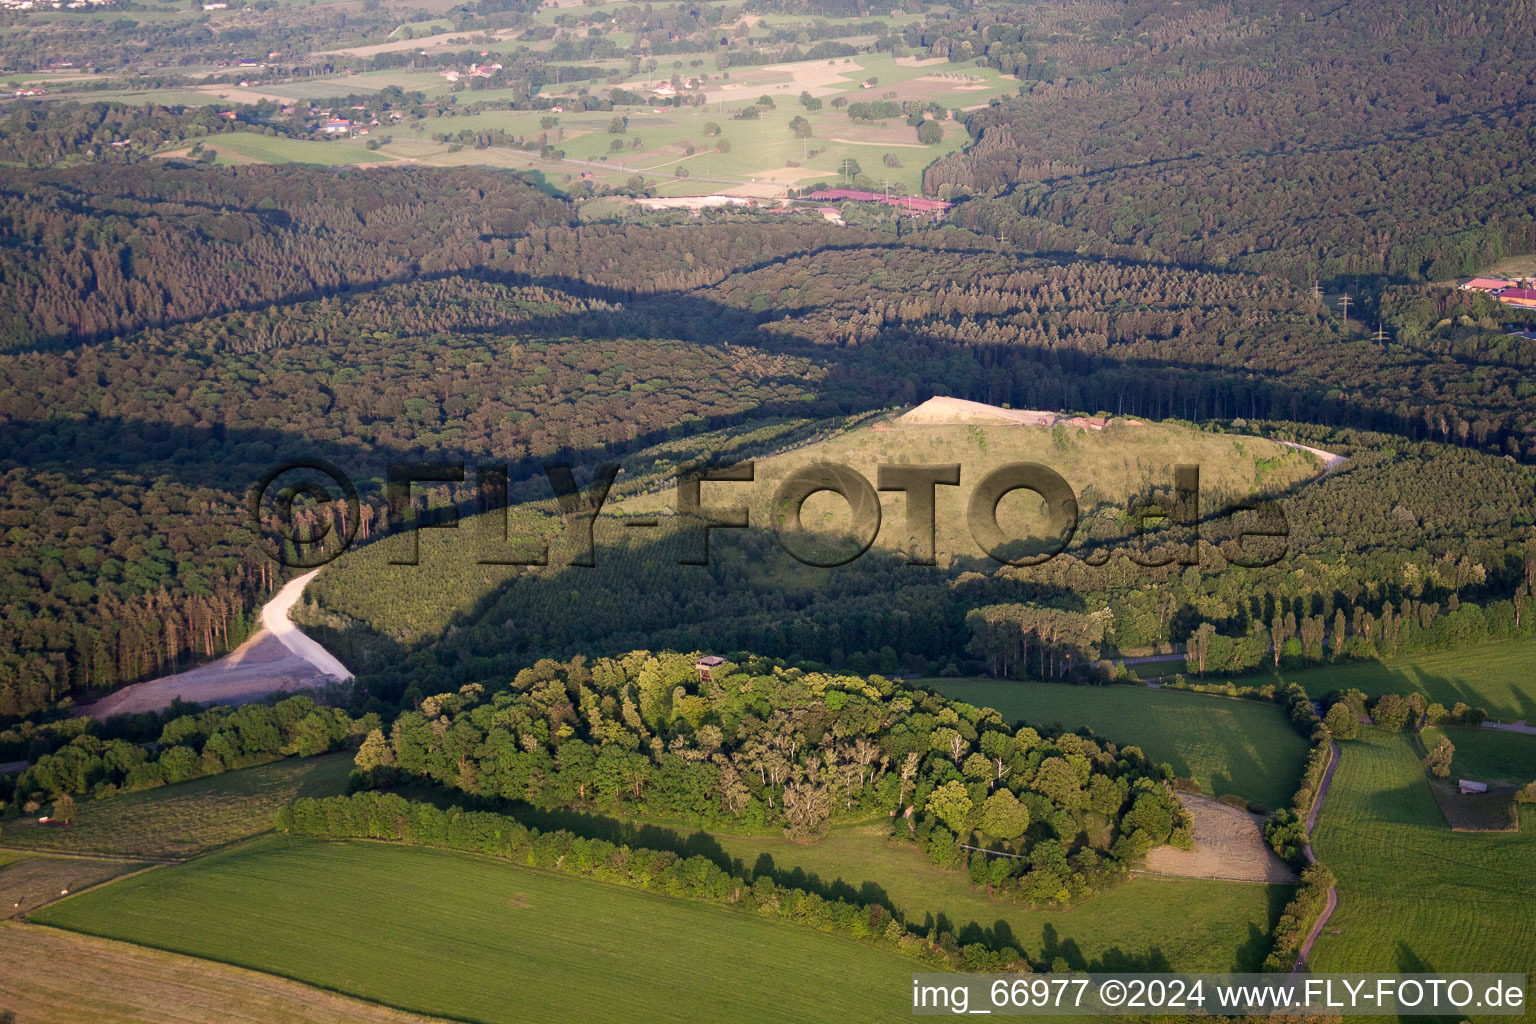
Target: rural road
point(1333, 891)
point(274, 619)
point(278, 657)
point(1331, 461)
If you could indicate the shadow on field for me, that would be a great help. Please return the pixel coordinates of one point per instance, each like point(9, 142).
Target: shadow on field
point(1409, 962)
point(1055, 952)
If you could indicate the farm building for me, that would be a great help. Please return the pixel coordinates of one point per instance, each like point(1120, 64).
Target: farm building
point(1485, 284)
point(1468, 786)
point(914, 205)
point(1524, 297)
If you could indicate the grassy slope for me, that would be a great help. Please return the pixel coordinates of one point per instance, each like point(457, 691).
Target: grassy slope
point(172, 822)
point(56, 977)
point(1487, 755)
point(1108, 466)
point(473, 938)
point(1148, 924)
point(1228, 746)
point(1413, 895)
point(1496, 676)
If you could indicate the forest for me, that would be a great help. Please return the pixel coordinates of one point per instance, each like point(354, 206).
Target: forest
point(258, 314)
point(760, 743)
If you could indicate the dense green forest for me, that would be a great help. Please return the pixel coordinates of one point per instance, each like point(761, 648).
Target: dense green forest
point(259, 314)
point(759, 744)
point(1138, 232)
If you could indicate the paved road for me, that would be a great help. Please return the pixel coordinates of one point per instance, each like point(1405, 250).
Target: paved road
point(1520, 726)
point(1333, 892)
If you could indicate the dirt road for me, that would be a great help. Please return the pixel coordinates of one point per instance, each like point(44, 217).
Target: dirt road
point(279, 657)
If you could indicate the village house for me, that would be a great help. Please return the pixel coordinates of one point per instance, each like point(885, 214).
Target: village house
point(337, 126)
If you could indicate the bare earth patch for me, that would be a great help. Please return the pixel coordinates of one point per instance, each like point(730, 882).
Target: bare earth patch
point(251, 671)
point(1229, 844)
point(55, 977)
point(279, 657)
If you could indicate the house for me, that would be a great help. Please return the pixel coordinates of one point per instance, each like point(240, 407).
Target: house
point(1468, 786)
point(1485, 284)
point(1524, 297)
point(705, 665)
point(337, 126)
point(218, 5)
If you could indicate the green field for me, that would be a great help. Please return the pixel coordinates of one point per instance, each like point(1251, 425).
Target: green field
point(1148, 924)
point(1413, 895)
point(1227, 746)
point(477, 939)
point(1487, 755)
point(760, 150)
point(172, 822)
point(247, 147)
point(1500, 677)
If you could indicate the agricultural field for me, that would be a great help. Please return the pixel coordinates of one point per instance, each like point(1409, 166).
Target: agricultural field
point(1413, 895)
point(1149, 923)
point(30, 881)
point(454, 935)
point(1495, 676)
point(1487, 755)
point(1243, 747)
point(657, 141)
point(249, 148)
point(182, 820)
point(62, 978)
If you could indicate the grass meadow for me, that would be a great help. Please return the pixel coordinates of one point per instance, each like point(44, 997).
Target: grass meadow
point(174, 822)
point(1413, 895)
point(1487, 755)
point(1243, 747)
point(1147, 924)
point(475, 939)
point(1495, 676)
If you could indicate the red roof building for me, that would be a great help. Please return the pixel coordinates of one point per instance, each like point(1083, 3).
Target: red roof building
point(910, 204)
point(1486, 284)
point(1519, 297)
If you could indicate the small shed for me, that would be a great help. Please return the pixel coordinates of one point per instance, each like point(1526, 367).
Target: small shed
point(1468, 786)
point(706, 665)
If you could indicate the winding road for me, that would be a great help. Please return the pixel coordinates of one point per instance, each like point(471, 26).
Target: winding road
point(274, 619)
point(1333, 891)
